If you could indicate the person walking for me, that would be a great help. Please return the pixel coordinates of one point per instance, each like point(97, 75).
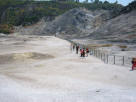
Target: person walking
point(133, 64)
point(77, 49)
point(87, 51)
point(83, 53)
point(73, 47)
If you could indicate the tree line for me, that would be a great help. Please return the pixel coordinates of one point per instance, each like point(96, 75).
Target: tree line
point(27, 12)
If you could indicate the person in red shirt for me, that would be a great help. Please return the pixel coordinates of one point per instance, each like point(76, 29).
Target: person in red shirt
point(133, 63)
point(81, 52)
point(87, 51)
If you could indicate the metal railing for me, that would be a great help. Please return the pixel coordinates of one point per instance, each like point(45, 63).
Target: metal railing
point(106, 57)
point(111, 59)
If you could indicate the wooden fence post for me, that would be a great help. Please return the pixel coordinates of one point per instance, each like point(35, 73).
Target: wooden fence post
point(123, 60)
point(101, 56)
point(114, 59)
point(107, 59)
point(96, 53)
point(104, 58)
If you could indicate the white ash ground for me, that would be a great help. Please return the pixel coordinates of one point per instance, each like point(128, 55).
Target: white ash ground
point(64, 77)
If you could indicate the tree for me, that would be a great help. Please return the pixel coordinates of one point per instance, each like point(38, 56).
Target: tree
point(92, 1)
point(96, 1)
point(106, 2)
point(86, 1)
point(116, 2)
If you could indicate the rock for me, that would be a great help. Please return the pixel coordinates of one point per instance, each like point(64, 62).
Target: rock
point(77, 23)
point(119, 29)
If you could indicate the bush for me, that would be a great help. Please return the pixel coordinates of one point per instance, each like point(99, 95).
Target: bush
point(6, 29)
point(129, 8)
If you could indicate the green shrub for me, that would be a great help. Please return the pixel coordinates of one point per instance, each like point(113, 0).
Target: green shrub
point(6, 29)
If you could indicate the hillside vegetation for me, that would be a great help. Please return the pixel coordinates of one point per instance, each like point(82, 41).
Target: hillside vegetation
point(129, 8)
point(27, 12)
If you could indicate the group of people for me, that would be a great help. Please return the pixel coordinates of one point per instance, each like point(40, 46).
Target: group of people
point(83, 52)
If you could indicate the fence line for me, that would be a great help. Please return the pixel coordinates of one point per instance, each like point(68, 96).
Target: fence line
point(107, 58)
point(111, 59)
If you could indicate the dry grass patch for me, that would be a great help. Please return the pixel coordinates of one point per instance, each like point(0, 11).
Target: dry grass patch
point(98, 45)
point(122, 46)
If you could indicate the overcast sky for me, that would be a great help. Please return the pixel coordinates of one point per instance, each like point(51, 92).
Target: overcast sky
point(124, 2)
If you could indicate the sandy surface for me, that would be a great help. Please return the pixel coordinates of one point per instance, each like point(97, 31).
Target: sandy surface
point(43, 69)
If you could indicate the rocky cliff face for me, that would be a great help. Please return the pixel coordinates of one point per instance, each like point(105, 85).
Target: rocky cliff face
point(121, 28)
point(81, 23)
point(77, 23)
